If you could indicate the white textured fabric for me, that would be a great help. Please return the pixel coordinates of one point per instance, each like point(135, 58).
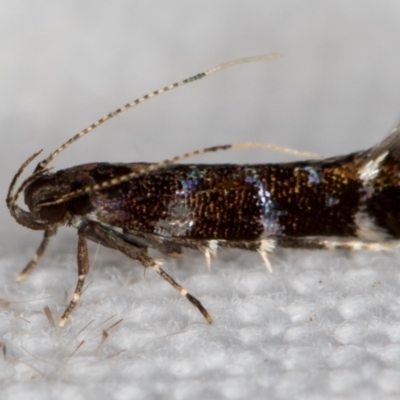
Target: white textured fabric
point(323, 325)
point(320, 324)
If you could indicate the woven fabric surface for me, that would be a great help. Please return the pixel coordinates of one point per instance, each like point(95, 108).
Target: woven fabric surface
point(323, 325)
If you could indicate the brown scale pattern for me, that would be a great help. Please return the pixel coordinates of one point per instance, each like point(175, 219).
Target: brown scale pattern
point(222, 205)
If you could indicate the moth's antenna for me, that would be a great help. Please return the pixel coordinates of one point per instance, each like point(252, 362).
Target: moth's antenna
point(13, 183)
point(22, 217)
point(42, 165)
point(155, 166)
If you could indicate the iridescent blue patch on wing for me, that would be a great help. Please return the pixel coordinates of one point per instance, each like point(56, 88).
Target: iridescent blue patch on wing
point(314, 176)
point(270, 208)
point(179, 219)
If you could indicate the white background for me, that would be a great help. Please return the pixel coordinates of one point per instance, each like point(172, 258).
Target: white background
point(65, 64)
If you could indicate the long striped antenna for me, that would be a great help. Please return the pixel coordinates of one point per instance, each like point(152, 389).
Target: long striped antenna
point(43, 164)
point(155, 166)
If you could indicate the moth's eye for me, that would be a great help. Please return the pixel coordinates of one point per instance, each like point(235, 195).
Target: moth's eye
point(53, 213)
point(42, 190)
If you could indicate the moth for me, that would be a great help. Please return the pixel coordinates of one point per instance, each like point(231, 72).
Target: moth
point(346, 202)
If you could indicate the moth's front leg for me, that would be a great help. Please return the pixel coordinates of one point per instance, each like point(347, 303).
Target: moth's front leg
point(92, 232)
point(48, 234)
point(83, 269)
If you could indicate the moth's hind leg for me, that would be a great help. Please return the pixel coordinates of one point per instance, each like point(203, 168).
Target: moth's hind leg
point(48, 233)
point(355, 245)
point(83, 269)
point(331, 244)
point(263, 247)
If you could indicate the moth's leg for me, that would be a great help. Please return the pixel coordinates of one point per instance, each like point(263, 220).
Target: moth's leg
point(48, 233)
point(168, 248)
point(149, 262)
point(263, 247)
point(210, 247)
point(174, 249)
point(355, 245)
point(210, 250)
point(301, 243)
point(266, 246)
point(330, 244)
point(110, 239)
point(83, 269)
point(207, 247)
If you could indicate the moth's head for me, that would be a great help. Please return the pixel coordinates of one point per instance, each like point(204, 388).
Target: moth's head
point(42, 190)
